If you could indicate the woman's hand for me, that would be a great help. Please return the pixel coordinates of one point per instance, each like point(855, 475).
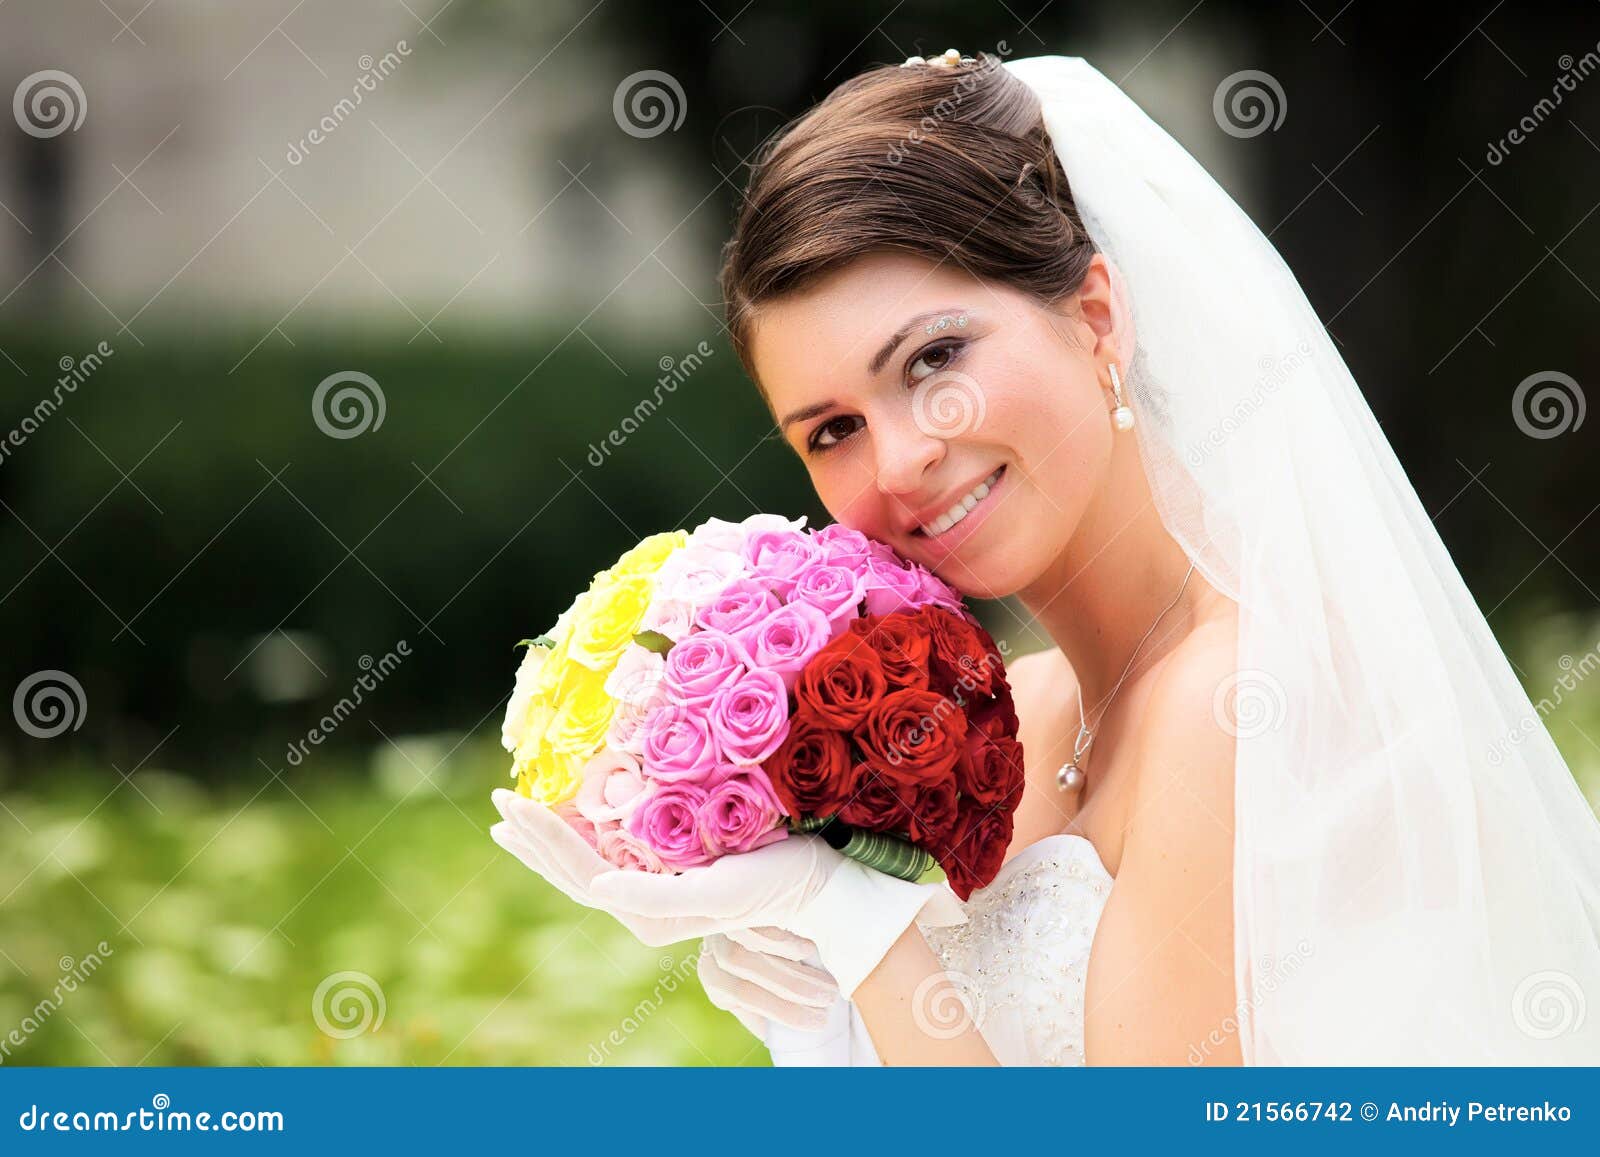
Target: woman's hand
point(758, 974)
point(852, 913)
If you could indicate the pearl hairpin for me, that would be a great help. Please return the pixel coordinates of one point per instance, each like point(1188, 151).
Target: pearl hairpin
point(949, 59)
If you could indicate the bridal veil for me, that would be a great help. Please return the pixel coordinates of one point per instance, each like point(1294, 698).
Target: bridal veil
point(1416, 875)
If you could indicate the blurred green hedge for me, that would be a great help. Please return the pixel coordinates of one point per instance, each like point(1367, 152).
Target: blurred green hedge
point(465, 521)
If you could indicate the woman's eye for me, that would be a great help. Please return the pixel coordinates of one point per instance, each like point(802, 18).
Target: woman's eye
point(934, 358)
point(834, 431)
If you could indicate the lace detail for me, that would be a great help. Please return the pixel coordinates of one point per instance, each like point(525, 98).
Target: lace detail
point(1023, 956)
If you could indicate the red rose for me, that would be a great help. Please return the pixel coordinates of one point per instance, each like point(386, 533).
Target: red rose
point(840, 683)
point(934, 811)
point(972, 853)
point(880, 803)
point(999, 712)
point(810, 770)
point(901, 642)
point(913, 736)
point(990, 769)
point(959, 657)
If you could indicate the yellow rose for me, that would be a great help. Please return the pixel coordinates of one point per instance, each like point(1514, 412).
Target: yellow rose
point(582, 716)
point(607, 622)
point(646, 558)
point(552, 779)
point(554, 673)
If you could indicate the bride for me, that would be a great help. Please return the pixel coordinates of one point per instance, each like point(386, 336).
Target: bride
point(1286, 801)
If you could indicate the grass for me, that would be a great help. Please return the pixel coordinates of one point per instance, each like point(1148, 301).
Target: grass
point(221, 914)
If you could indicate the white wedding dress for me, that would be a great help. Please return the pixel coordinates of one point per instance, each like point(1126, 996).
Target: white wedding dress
point(1016, 968)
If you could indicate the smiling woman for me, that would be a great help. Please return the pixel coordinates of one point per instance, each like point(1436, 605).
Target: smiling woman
point(1286, 699)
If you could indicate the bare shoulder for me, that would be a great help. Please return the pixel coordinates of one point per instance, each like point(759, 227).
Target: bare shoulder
point(1187, 738)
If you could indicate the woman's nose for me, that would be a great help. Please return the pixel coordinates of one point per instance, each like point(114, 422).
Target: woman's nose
point(905, 454)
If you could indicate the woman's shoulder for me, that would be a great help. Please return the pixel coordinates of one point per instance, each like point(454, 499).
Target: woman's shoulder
point(1188, 730)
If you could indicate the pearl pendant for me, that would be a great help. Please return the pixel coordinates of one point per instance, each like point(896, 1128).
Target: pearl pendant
point(1070, 777)
point(1122, 418)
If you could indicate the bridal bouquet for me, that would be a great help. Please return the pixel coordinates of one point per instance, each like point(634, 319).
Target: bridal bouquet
point(714, 691)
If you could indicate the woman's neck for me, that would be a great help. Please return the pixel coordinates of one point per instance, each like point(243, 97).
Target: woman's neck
point(1118, 575)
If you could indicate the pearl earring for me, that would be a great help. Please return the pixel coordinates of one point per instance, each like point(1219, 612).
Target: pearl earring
point(1121, 417)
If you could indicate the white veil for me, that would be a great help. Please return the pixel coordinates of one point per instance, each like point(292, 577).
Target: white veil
point(1416, 875)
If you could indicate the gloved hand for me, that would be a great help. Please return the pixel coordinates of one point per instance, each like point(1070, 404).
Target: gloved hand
point(759, 975)
point(853, 914)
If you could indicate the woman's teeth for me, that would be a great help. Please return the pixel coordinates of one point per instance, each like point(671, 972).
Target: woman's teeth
point(962, 507)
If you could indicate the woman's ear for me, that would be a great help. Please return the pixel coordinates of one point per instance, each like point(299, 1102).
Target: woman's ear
point(1103, 307)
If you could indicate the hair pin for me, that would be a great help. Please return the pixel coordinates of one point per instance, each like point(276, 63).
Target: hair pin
point(949, 59)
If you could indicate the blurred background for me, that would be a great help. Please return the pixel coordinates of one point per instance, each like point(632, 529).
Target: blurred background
point(342, 340)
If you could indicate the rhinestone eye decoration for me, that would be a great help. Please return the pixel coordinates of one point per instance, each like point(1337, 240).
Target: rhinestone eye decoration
point(946, 322)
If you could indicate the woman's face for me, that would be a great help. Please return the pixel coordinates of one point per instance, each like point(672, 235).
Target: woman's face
point(973, 449)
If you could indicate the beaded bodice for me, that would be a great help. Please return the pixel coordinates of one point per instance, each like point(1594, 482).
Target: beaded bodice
point(1021, 959)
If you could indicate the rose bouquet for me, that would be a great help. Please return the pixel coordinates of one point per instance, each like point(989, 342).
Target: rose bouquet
point(715, 691)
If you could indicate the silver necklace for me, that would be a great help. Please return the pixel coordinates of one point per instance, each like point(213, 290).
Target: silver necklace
point(1071, 776)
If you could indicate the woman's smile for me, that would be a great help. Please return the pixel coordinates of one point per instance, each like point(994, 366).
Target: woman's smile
point(941, 522)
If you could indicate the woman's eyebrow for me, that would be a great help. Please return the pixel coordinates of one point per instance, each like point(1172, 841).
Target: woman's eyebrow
point(901, 334)
point(805, 412)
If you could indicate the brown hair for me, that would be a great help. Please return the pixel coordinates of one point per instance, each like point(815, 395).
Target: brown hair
point(948, 163)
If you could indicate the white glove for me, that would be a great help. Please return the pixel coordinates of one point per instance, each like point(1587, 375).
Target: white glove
point(852, 913)
point(760, 976)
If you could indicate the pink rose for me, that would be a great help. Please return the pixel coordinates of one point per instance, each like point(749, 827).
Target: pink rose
point(741, 814)
point(889, 587)
point(934, 591)
point(777, 556)
point(580, 823)
point(785, 640)
point(742, 603)
point(703, 664)
point(668, 823)
point(678, 744)
point(750, 718)
point(622, 849)
point(613, 785)
point(834, 590)
point(842, 546)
